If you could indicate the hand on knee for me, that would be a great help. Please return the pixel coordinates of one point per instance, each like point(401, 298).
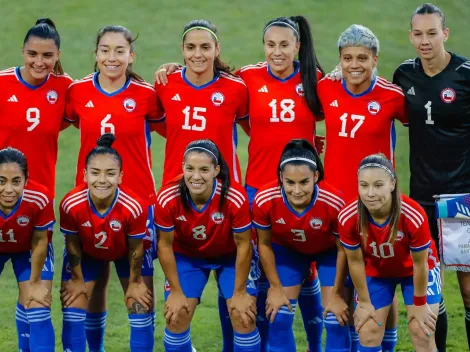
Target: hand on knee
point(178, 322)
point(242, 322)
point(418, 335)
point(371, 333)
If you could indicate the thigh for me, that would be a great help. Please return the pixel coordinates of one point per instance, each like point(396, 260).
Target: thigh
point(433, 294)
point(226, 275)
point(123, 266)
point(292, 267)
point(326, 267)
point(92, 269)
point(24, 287)
point(22, 265)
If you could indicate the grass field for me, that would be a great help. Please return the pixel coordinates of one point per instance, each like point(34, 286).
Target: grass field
point(240, 23)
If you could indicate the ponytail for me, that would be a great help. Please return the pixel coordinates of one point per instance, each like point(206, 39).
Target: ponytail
point(104, 146)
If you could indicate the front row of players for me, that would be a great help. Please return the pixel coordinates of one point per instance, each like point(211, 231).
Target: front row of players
point(204, 224)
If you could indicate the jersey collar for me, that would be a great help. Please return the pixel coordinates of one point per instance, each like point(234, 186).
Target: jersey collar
point(296, 70)
point(15, 208)
point(312, 202)
point(93, 209)
point(380, 226)
point(183, 75)
point(26, 84)
point(96, 83)
point(191, 203)
point(372, 85)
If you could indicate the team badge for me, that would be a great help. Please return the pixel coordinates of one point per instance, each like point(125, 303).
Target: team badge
point(217, 98)
point(448, 95)
point(115, 225)
point(299, 89)
point(400, 235)
point(22, 221)
point(129, 104)
point(166, 286)
point(373, 107)
point(316, 223)
point(52, 96)
point(218, 218)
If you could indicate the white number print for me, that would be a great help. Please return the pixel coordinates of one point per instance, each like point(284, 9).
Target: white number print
point(344, 120)
point(299, 235)
point(103, 236)
point(287, 113)
point(429, 120)
point(32, 115)
point(201, 126)
point(199, 233)
point(107, 127)
point(11, 236)
point(385, 250)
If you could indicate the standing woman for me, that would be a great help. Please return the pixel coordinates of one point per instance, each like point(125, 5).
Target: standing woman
point(388, 243)
point(33, 103)
point(437, 86)
point(204, 224)
point(104, 222)
point(116, 100)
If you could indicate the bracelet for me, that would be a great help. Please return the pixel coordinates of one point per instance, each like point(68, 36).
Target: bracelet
point(419, 301)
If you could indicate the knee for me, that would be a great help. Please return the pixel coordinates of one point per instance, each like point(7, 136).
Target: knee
point(466, 296)
point(238, 324)
point(284, 319)
point(371, 334)
point(179, 322)
point(419, 338)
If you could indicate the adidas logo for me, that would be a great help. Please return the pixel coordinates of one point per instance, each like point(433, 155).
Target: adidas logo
point(89, 104)
point(182, 218)
point(263, 89)
point(411, 91)
point(176, 97)
point(334, 104)
point(13, 99)
point(86, 224)
point(281, 221)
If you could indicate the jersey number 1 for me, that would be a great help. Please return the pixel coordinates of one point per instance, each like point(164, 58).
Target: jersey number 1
point(10, 234)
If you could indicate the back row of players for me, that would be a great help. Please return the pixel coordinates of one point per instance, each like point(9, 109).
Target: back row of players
point(203, 100)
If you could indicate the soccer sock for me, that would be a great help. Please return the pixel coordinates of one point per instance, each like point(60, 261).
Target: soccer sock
point(73, 329)
point(95, 325)
point(441, 327)
point(354, 338)
point(22, 327)
point(337, 337)
point(177, 342)
point(312, 313)
point(370, 349)
point(42, 338)
point(281, 334)
point(226, 325)
point(141, 332)
point(389, 341)
point(246, 342)
point(467, 324)
point(262, 323)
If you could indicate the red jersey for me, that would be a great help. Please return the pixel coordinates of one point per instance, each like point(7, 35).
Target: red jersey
point(383, 259)
point(30, 120)
point(126, 114)
point(357, 126)
point(278, 113)
point(311, 232)
point(103, 236)
point(206, 232)
point(205, 112)
point(34, 211)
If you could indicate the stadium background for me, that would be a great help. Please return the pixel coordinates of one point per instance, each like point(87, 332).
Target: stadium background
point(240, 23)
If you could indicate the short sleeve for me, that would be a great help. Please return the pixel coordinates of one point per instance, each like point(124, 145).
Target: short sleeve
point(417, 227)
point(70, 113)
point(163, 218)
point(261, 215)
point(243, 108)
point(239, 210)
point(68, 223)
point(348, 232)
point(155, 110)
point(45, 217)
point(137, 227)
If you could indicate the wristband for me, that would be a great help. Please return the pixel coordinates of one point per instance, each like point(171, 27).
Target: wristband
point(419, 301)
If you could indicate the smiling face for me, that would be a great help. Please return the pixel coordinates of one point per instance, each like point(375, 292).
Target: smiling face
point(113, 55)
point(199, 50)
point(199, 174)
point(40, 56)
point(103, 175)
point(280, 49)
point(358, 63)
point(12, 182)
point(428, 36)
point(298, 183)
point(375, 189)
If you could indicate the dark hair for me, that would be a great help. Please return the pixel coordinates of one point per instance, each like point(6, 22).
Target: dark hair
point(103, 147)
point(127, 34)
point(379, 160)
point(45, 29)
point(300, 148)
point(219, 65)
point(307, 57)
point(12, 155)
point(429, 9)
point(209, 148)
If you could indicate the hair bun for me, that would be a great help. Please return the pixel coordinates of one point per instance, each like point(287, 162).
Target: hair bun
point(106, 140)
point(47, 21)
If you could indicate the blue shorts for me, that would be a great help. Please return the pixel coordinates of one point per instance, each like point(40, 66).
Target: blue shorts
point(193, 274)
point(382, 290)
point(93, 268)
point(251, 192)
point(152, 231)
point(22, 264)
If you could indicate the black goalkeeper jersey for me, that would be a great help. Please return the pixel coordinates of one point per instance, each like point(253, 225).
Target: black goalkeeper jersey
point(439, 120)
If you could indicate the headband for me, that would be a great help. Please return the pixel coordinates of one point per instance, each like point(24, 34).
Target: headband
point(275, 23)
point(383, 167)
point(299, 159)
point(206, 150)
point(200, 27)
